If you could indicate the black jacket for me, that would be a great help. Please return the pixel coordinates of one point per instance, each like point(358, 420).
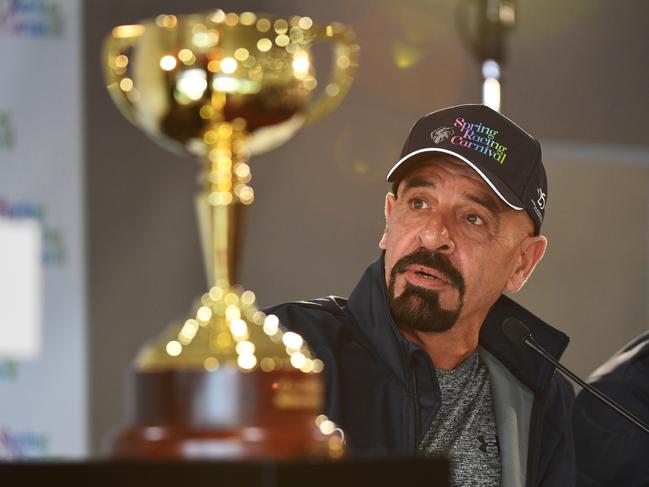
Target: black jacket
point(610, 450)
point(382, 389)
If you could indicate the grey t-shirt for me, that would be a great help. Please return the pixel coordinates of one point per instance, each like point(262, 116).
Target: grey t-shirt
point(464, 428)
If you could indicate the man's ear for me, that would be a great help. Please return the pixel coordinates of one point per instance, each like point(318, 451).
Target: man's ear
point(531, 252)
point(389, 203)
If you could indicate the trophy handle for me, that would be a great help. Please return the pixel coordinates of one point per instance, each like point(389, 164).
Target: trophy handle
point(345, 62)
point(119, 84)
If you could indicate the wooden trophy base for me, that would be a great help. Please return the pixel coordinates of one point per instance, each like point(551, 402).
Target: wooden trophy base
point(226, 414)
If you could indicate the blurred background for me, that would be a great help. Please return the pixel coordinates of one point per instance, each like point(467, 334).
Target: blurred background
point(121, 256)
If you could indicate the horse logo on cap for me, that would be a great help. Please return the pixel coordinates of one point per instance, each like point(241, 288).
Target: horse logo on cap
point(441, 134)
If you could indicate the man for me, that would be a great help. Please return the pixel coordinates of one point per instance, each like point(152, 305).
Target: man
point(415, 360)
point(610, 449)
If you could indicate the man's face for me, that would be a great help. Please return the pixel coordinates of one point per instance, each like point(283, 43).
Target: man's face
point(452, 246)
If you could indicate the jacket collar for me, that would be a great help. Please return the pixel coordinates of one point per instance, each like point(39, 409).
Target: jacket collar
point(368, 306)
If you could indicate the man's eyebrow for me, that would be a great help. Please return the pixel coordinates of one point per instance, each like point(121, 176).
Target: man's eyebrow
point(417, 183)
point(486, 201)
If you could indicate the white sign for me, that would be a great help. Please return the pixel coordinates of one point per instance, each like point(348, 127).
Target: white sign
point(20, 289)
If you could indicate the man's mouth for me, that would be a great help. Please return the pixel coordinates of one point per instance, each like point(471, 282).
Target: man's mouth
point(425, 274)
point(428, 274)
point(428, 270)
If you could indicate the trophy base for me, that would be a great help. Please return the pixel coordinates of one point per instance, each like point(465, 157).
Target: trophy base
point(244, 443)
point(227, 414)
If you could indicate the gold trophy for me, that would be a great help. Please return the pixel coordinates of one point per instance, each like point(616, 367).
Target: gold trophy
point(228, 381)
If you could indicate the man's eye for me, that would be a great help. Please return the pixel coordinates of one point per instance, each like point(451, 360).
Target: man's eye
point(475, 220)
point(417, 203)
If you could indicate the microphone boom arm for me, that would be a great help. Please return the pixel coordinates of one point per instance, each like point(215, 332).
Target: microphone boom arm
point(520, 335)
point(530, 342)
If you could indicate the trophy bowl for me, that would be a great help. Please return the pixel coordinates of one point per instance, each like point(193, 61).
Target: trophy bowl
point(227, 381)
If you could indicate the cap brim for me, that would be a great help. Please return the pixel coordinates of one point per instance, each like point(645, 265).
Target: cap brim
point(501, 189)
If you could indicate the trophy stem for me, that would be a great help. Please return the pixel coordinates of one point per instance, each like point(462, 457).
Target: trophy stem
point(221, 204)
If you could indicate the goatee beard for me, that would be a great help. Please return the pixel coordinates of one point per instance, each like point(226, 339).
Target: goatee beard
point(418, 308)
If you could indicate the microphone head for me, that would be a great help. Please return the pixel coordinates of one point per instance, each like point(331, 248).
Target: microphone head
point(516, 331)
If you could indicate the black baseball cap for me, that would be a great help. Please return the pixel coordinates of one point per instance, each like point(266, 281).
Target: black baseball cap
point(502, 153)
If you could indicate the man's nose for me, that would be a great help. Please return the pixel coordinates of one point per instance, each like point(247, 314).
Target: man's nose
point(436, 236)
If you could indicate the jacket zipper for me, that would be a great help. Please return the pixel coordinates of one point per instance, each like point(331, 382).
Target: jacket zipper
point(417, 413)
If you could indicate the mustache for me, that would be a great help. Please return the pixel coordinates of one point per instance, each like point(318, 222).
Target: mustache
point(434, 260)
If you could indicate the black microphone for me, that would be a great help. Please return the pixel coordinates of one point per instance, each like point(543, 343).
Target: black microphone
point(520, 335)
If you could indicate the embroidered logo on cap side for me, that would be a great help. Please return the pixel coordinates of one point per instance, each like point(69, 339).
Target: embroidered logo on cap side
point(541, 200)
point(536, 210)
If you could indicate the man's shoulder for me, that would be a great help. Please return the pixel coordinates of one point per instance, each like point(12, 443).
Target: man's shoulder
point(322, 315)
point(324, 323)
point(330, 305)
